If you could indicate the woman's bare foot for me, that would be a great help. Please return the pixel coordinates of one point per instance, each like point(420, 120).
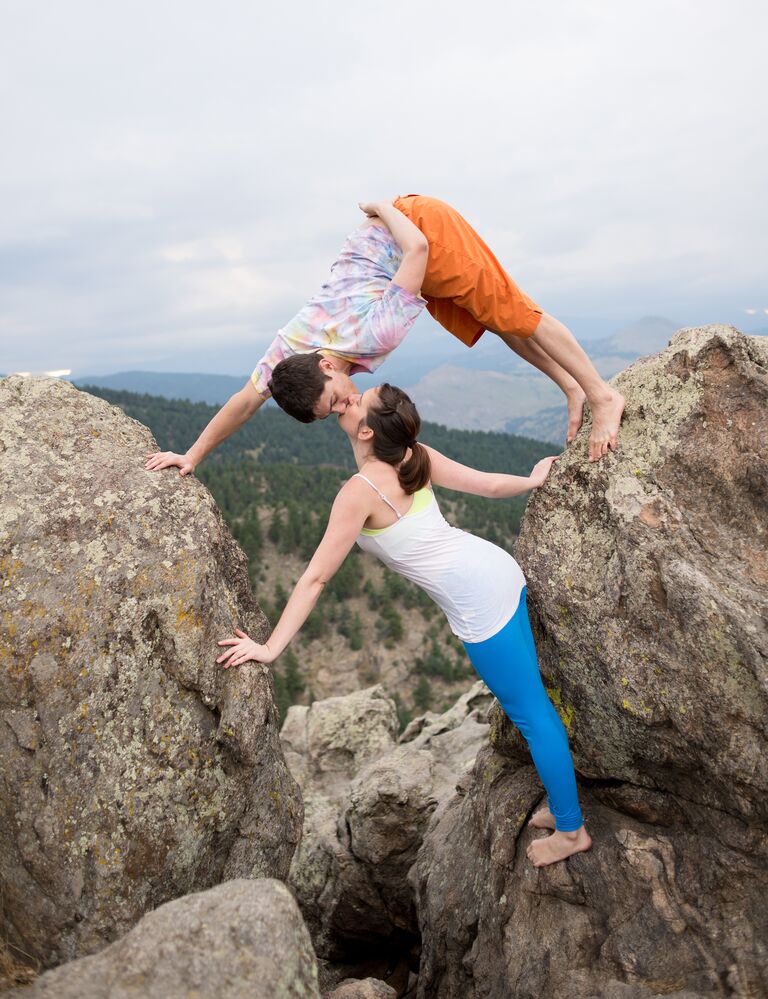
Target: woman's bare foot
point(543, 818)
point(606, 417)
point(558, 846)
point(576, 400)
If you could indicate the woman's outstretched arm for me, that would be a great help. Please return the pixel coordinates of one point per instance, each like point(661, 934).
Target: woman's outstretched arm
point(348, 515)
point(494, 485)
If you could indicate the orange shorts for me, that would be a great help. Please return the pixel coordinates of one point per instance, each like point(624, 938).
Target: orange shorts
point(466, 288)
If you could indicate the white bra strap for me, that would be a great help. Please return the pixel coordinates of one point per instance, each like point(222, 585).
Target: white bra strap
point(360, 475)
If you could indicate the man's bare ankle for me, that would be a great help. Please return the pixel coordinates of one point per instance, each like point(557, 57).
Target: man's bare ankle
point(603, 396)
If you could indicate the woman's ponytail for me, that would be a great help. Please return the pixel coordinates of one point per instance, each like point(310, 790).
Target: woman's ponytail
point(416, 472)
point(396, 423)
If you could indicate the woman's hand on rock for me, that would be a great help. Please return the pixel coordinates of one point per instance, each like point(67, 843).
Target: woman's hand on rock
point(541, 470)
point(243, 649)
point(167, 459)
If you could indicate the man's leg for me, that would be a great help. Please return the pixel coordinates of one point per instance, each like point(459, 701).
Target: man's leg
point(531, 352)
point(606, 403)
point(468, 291)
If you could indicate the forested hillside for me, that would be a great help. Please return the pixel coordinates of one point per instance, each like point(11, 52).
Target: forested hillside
point(275, 481)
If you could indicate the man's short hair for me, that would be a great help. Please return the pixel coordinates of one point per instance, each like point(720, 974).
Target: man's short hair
point(297, 384)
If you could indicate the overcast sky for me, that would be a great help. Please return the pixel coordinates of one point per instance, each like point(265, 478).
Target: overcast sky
point(177, 177)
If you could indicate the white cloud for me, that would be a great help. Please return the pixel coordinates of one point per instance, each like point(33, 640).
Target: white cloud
point(178, 164)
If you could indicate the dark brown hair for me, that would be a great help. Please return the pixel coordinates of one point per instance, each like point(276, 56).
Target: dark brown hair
point(297, 384)
point(396, 423)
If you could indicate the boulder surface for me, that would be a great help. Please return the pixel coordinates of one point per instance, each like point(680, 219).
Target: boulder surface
point(241, 940)
point(134, 769)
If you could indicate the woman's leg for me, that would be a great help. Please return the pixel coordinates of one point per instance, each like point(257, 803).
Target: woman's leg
point(508, 665)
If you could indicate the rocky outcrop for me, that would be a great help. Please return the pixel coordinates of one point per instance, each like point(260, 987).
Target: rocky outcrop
point(241, 940)
point(670, 898)
point(367, 805)
point(647, 576)
point(134, 769)
point(646, 579)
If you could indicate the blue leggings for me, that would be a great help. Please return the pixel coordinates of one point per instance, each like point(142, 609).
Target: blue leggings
point(508, 665)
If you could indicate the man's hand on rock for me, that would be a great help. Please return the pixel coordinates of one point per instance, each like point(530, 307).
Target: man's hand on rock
point(167, 459)
point(243, 649)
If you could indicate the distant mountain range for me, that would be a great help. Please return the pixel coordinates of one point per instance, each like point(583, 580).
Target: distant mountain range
point(516, 398)
point(488, 387)
point(213, 389)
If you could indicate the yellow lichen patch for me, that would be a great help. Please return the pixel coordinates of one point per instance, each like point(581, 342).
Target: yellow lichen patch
point(565, 711)
point(637, 710)
point(8, 569)
point(188, 616)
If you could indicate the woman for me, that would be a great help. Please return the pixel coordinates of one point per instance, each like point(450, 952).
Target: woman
point(388, 508)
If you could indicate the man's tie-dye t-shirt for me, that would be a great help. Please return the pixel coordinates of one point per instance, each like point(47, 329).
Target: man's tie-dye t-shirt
point(358, 315)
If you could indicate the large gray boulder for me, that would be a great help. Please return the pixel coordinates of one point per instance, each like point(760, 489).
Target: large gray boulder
point(241, 940)
point(647, 578)
point(134, 769)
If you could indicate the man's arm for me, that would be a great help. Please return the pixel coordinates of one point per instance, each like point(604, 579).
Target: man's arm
point(410, 239)
point(232, 415)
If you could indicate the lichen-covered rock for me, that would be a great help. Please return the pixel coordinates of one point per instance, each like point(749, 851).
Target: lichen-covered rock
point(331, 739)
point(241, 940)
point(367, 804)
point(325, 744)
point(391, 800)
point(648, 578)
point(134, 769)
point(669, 900)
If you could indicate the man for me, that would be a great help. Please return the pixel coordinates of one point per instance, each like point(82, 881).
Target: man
point(410, 253)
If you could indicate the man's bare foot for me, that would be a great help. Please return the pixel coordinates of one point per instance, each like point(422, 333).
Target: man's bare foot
point(606, 417)
point(576, 400)
point(558, 846)
point(543, 818)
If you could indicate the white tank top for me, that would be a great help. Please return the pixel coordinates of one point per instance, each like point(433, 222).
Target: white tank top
point(476, 584)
